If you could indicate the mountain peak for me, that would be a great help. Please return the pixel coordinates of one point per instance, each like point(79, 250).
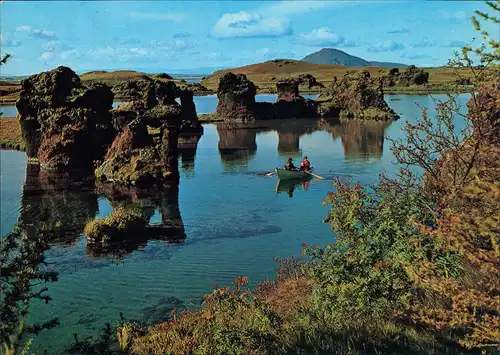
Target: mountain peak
point(337, 56)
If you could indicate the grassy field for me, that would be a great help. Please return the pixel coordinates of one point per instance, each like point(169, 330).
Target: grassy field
point(264, 75)
point(10, 133)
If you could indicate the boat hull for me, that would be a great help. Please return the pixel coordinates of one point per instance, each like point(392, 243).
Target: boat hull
point(292, 175)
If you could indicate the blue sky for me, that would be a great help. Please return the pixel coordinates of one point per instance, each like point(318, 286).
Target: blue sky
point(182, 36)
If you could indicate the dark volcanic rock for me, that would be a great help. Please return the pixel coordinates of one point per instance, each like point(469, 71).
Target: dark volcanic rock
point(164, 76)
point(237, 104)
point(64, 124)
point(149, 95)
point(236, 96)
point(197, 88)
point(357, 95)
point(411, 76)
point(288, 89)
point(290, 104)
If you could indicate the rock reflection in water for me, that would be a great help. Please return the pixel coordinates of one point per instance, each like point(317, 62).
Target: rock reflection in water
point(288, 144)
point(187, 153)
point(361, 139)
point(64, 200)
point(236, 143)
point(145, 202)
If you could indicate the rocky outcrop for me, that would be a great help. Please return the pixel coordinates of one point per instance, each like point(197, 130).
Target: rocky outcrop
point(64, 123)
point(237, 104)
point(356, 95)
point(144, 95)
point(410, 76)
point(236, 95)
point(133, 159)
point(197, 88)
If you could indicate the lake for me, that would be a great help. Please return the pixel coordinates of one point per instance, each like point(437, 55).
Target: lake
point(235, 220)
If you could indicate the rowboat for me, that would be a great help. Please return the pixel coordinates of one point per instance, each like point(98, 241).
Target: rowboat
point(292, 174)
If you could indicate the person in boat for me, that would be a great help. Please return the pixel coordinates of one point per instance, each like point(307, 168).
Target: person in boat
point(305, 164)
point(289, 165)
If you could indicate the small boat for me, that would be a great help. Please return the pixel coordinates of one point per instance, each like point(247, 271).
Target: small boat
point(292, 174)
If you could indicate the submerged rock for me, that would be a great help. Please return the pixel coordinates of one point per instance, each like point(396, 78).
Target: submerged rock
point(356, 95)
point(64, 123)
point(129, 226)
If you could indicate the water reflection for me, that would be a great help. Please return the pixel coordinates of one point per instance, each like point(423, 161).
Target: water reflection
point(148, 203)
point(360, 139)
point(68, 201)
point(236, 143)
point(64, 200)
point(187, 154)
point(289, 186)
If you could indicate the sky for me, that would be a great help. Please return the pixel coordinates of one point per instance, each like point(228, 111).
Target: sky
point(201, 36)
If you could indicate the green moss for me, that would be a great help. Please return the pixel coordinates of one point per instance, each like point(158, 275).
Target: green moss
point(209, 117)
point(9, 144)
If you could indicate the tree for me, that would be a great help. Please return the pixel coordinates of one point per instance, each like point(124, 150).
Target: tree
point(22, 276)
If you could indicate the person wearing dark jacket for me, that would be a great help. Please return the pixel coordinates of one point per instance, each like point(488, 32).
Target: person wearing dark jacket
point(289, 165)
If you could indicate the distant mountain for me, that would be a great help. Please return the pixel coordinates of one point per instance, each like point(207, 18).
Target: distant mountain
point(335, 56)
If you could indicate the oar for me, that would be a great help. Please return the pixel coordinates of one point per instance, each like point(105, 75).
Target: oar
point(316, 176)
point(271, 173)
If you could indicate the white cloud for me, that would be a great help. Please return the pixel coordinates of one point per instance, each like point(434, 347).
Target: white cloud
point(120, 54)
point(46, 56)
point(386, 46)
point(426, 42)
point(455, 16)
point(23, 28)
point(139, 51)
point(6, 42)
point(172, 16)
point(176, 45)
point(246, 24)
point(36, 32)
point(322, 36)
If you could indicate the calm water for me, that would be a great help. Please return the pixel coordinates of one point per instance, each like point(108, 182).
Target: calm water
point(235, 220)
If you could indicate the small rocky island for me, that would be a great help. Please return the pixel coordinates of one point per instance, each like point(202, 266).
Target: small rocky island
point(355, 96)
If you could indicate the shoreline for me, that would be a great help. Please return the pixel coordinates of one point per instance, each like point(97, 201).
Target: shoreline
point(388, 91)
